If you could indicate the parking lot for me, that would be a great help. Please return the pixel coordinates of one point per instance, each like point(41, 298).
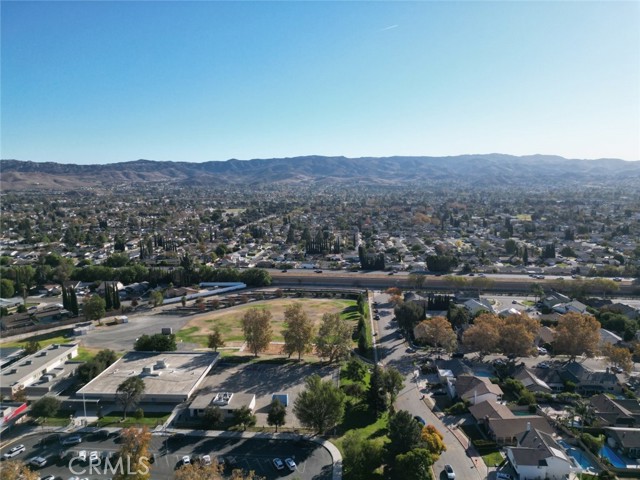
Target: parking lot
point(312, 461)
point(264, 380)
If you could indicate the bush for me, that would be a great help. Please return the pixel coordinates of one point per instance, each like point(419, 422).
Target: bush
point(138, 414)
point(543, 397)
point(567, 397)
point(457, 409)
point(594, 444)
point(354, 390)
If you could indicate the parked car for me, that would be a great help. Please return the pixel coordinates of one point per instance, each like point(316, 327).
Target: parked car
point(279, 464)
point(186, 460)
point(449, 471)
point(543, 365)
point(542, 351)
point(94, 458)
point(318, 271)
point(458, 355)
point(205, 459)
point(18, 449)
point(504, 476)
point(49, 477)
point(410, 350)
point(420, 420)
point(291, 464)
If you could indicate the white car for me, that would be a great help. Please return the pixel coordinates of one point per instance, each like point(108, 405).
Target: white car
point(94, 458)
point(186, 460)
point(542, 351)
point(38, 462)
point(278, 464)
point(18, 449)
point(206, 459)
point(449, 471)
point(291, 464)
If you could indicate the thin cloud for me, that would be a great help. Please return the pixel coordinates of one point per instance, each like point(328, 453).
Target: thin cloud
point(390, 27)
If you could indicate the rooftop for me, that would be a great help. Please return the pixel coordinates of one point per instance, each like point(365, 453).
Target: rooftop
point(163, 373)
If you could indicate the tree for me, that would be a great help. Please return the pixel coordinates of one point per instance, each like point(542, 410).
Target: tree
point(215, 340)
point(433, 441)
point(334, 338)
point(215, 471)
point(158, 342)
point(7, 288)
point(537, 291)
point(576, 335)
point(417, 280)
point(413, 465)
point(129, 392)
point(377, 397)
point(408, 315)
point(355, 370)
point(484, 335)
point(17, 470)
point(437, 331)
point(31, 347)
point(361, 456)
point(298, 332)
point(517, 333)
point(244, 416)
point(277, 414)
point(73, 301)
point(134, 450)
point(45, 407)
point(156, 298)
point(213, 416)
point(94, 308)
point(320, 405)
point(393, 382)
point(404, 434)
point(183, 301)
point(256, 326)
point(618, 356)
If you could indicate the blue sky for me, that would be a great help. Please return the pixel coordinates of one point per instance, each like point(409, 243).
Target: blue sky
point(97, 82)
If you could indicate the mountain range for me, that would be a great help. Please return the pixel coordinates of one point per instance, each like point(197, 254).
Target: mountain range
point(485, 170)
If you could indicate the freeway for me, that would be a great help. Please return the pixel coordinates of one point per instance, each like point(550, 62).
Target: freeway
point(502, 283)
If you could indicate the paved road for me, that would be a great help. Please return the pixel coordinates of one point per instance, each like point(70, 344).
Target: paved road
point(313, 461)
point(393, 353)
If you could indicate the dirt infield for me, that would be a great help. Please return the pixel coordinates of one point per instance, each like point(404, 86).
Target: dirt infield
point(229, 319)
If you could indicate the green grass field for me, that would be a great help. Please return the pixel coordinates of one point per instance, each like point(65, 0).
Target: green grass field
point(61, 336)
point(229, 320)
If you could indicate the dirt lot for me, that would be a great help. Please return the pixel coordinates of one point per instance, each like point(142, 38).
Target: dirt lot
point(229, 319)
point(263, 380)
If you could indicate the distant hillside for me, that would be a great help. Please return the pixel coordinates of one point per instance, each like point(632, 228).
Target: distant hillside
point(465, 170)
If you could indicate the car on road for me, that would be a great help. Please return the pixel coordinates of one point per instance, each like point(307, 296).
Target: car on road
point(542, 351)
point(284, 270)
point(449, 471)
point(279, 464)
point(38, 462)
point(291, 464)
point(72, 440)
point(376, 317)
point(318, 271)
point(515, 302)
point(617, 279)
point(18, 449)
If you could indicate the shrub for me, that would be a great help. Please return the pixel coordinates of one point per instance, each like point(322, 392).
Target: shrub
point(457, 409)
point(139, 414)
point(594, 444)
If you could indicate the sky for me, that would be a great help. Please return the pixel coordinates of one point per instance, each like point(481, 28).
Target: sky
point(98, 82)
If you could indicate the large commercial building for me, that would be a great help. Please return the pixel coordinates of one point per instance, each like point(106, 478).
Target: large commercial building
point(169, 377)
point(36, 373)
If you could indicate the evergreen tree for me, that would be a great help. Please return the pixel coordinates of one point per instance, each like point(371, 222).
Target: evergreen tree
point(108, 299)
point(73, 301)
point(65, 299)
point(116, 298)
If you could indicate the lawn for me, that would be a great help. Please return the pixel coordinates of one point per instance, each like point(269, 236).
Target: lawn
point(493, 459)
point(61, 336)
point(115, 420)
point(229, 320)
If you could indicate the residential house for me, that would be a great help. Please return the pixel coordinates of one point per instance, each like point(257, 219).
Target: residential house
point(545, 336)
point(483, 411)
point(476, 389)
point(553, 299)
point(531, 381)
point(505, 431)
point(475, 306)
point(612, 412)
point(570, 307)
point(539, 456)
point(607, 337)
point(588, 381)
point(624, 440)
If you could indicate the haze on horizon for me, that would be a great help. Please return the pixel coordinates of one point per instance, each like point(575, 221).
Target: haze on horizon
point(102, 82)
